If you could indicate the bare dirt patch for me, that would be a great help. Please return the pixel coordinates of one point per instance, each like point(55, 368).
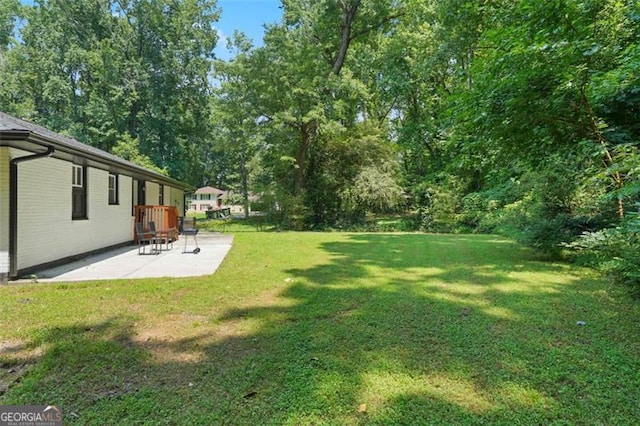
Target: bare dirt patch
point(16, 359)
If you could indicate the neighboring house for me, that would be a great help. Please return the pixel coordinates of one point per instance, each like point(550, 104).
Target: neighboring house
point(206, 198)
point(60, 198)
point(210, 198)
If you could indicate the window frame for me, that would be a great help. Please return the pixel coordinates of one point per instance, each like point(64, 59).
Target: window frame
point(77, 175)
point(78, 192)
point(114, 192)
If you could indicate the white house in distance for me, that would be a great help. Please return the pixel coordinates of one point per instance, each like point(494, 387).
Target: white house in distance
point(206, 198)
point(61, 199)
point(210, 198)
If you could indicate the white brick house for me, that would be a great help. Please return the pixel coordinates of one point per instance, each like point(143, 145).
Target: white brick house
point(205, 198)
point(60, 199)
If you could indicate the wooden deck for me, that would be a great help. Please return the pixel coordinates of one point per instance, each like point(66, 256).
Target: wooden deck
point(164, 217)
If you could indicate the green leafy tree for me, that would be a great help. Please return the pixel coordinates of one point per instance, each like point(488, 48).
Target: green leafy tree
point(99, 70)
point(129, 149)
point(235, 121)
point(8, 14)
point(532, 91)
point(309, 94)
point(374, 189)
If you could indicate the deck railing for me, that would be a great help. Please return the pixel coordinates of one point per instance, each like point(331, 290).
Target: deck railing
point(164, 217)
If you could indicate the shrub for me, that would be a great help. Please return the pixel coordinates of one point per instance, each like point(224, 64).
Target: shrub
point(613, 251)
point(373, 190)
point(541, 210)
point(438, 204)
point(475, 208)
point(286, 211)
point(547, 235)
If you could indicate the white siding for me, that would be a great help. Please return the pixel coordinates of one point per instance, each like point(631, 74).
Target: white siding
point(134, 198)
point(46, 231)
point(166, 191)
point(152, 193)
point(4, 211)
point(202, 205)
point(175, 198)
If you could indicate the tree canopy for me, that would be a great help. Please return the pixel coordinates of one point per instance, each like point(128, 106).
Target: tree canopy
point(104, 70)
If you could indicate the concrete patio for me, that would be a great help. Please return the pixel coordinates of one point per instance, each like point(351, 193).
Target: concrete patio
point(126, 263)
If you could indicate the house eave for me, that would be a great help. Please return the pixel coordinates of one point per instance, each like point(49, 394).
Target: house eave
point(30, 141)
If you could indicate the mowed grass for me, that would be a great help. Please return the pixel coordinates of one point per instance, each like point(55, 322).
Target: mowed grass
point(332, 328)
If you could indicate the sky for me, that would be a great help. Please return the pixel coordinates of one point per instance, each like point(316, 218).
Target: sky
point(248, 16)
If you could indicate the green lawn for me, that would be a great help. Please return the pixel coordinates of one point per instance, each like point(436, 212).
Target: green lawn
point(332, 328)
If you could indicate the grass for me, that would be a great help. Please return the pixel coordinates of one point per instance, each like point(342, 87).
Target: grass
point(332, 328)
point(232, 224)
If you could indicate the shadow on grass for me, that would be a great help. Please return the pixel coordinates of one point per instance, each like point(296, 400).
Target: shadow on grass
point(394, 329)
point(238, 224)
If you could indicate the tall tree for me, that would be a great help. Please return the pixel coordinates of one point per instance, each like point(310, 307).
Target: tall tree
point(8, 14)
point(235, 119)
point(10, 11)
point(309, 93)
point(169, 47)
point(103, 69)
point(533, 91)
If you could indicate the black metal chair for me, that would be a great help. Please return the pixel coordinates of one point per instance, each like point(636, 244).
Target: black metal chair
point(146, 237)
point(187, 227)
point(162, 236)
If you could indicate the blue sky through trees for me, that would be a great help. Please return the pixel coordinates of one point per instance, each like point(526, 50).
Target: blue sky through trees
point(248, 16)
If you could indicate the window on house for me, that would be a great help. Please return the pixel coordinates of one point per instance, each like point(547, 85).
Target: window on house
point(161, 196)
point(113, 188)
point(79, 192)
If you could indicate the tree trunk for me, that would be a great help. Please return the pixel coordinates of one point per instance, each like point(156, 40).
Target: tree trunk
point(308, 130)
point(349, 13)
point(617, 177)
point(245, 185)
point(306, 136)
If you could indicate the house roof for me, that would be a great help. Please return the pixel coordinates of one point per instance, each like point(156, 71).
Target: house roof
point(210, 190)
point(28, 136)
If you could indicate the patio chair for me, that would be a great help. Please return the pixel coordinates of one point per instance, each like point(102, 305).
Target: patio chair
point(146, 237)
point(188, 227)
point(164, 236)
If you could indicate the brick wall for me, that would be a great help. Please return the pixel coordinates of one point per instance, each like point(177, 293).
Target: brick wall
point(4, 212)
point(46, 231)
